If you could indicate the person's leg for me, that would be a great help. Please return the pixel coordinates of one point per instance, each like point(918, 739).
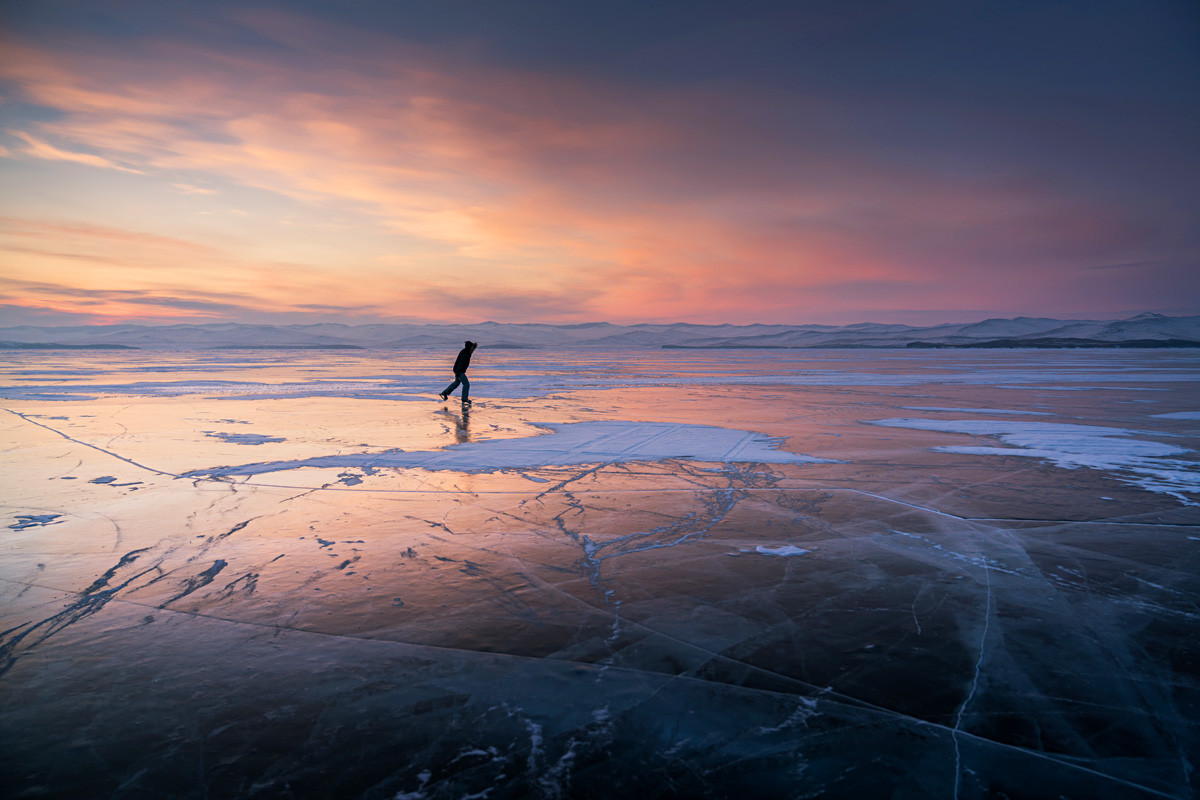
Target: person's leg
point(466, 384)
point(457, 379)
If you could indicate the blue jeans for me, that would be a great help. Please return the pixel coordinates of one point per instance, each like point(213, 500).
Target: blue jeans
point(460, 377)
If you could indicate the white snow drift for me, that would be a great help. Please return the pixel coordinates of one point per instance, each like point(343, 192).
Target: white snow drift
point(1140, 462)
point(568, 444)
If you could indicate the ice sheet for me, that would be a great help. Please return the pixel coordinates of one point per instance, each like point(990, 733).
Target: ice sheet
point(656, 575)
point(417, 376)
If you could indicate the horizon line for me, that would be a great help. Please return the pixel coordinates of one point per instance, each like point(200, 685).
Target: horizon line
point(166, 324)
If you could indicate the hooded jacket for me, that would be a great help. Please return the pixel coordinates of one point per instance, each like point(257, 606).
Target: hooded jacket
point(464, 358)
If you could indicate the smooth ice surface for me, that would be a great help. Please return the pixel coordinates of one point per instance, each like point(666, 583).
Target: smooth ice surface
point(619, 574)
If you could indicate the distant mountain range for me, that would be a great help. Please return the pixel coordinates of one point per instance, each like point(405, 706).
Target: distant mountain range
point(1144, 330)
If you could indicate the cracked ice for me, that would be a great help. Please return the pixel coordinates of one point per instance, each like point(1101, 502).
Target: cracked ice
point(535, 596)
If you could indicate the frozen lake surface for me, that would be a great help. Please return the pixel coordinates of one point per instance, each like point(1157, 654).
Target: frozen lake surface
point(652, 574)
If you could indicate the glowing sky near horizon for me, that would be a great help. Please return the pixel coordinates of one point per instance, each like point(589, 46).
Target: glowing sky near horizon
point(567, 162)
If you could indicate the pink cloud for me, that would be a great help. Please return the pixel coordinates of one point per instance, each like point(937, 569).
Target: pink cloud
point(605, 201)
point(36, 148)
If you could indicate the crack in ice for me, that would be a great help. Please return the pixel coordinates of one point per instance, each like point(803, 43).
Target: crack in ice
point(824, 692)
point(987, 617)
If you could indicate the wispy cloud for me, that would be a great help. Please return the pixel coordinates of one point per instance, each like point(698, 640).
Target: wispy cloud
point(187, 188)
point(519, 194)
point(37, 148)
point(102, 304)
point(1130, 265)
point(109, 272)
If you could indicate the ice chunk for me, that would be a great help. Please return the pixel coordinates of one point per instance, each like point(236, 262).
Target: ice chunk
point(244, 438)
point(781, 550)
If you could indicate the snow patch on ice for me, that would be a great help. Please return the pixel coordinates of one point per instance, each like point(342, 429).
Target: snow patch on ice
point(782, 550)
point(568, 444)
point(977, 410)
point(1180, 415)
point(1138, 462)
point(244, 438)
point(19, 395)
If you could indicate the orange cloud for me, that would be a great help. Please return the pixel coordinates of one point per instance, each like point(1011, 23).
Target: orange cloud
point(589, 200)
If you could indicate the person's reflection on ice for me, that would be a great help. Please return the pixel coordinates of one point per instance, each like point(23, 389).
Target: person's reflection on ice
point(462, 424)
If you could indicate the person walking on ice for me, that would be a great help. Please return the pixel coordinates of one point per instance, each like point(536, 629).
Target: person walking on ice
point(460, 373)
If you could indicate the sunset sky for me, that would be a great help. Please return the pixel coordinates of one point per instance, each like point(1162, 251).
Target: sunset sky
point(437, 160)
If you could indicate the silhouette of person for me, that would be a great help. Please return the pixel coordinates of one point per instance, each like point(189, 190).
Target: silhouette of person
point(460, 373)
